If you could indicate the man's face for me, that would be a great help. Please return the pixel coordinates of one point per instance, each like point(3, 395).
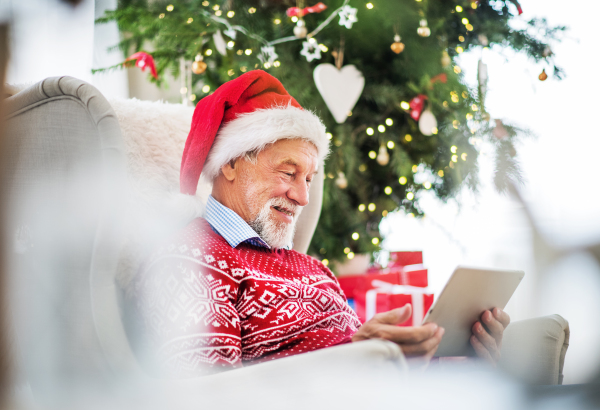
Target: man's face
point(276, 188)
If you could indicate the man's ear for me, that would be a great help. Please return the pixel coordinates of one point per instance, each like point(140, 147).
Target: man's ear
point(230, 170)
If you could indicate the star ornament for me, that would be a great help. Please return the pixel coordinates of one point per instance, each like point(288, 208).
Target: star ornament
point(311, 51)
point(268, 54)
point(347, 16)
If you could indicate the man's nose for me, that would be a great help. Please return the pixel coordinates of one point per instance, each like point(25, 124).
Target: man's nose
point(298, 193)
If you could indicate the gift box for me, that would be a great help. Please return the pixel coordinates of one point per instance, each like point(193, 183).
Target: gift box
point(405, 258)
point(385, 297)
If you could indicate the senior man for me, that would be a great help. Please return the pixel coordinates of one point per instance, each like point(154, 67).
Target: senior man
point(228, 289)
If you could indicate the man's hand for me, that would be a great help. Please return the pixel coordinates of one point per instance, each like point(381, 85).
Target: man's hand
point(487, 334)
point(420, 341)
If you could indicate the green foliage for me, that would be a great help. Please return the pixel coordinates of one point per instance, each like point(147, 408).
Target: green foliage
point(443, 162)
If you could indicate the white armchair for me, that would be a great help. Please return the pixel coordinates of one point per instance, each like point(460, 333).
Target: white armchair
point(92, 185)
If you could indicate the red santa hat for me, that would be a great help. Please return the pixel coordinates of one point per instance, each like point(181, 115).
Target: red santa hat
point(243, 115)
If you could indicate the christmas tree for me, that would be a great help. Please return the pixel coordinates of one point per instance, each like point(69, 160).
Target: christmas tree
point(416, 126)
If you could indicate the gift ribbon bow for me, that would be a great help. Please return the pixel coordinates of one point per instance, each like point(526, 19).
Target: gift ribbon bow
point(296, 11)
point(416, 294)
point(143, 61)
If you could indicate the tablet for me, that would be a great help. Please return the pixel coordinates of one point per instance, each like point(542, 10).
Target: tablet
point(468, 293)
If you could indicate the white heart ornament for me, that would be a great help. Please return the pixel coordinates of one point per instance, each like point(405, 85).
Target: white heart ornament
point(427, 122)
point(340, 89)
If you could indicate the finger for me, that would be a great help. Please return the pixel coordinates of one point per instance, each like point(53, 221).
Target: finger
point(426, 348)
point(394, 316)
point(486, 340)
point(481, 351)
point(405, 334)
point(501, 316)
point(494, 326)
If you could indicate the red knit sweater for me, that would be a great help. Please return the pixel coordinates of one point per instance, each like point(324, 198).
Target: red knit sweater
point(208, 306)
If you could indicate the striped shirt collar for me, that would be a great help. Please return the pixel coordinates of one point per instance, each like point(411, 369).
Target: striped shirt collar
point(231, 226)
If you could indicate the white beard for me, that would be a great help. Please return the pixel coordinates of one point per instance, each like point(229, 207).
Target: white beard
point(275, 234)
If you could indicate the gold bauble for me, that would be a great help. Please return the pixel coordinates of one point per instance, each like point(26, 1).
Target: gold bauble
point(397, 47)
point(383, 157)
point(543, 76)
point(198, 67)
point(423, 30)
point(341, 181)
point(446, 60)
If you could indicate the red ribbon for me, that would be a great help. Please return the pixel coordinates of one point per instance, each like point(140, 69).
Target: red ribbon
point(295, 11)
point(143, 61)
point(440, 77)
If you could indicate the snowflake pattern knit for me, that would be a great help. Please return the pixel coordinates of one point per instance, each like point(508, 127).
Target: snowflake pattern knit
point(206, 305)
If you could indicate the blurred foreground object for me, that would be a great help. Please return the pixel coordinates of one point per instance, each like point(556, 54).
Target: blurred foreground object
point(89, 192)
point(4, 352)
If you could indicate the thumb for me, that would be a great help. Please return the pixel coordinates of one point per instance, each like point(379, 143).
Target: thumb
point(394, 316)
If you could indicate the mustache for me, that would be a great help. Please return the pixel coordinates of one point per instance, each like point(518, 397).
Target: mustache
point(285, 205)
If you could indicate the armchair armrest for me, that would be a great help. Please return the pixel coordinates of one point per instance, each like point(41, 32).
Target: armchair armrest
point(533, 350)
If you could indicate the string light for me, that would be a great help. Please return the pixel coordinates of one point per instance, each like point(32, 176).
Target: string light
point(473, 5)
point(193, 97)
point(459, 49)
point(404, 105)
point(389, 122)
point(459, 8)
point(372, 154)
point(323, 48)
point(230, 13)
point(453, 149)
point(243, 69)
point(454, 158)
point(248, 51)
point(408, 137)
point(251, 10)
point(463, 156)
point(362, 168)
point(277, 21)
point(239, 52)
point(230, 44)
point(415, 168)
point(325, 262)
point(371, 207)
point(294, 19)
point(183, 90)
point(434, 130)
point(161, 16)
point(381, 128)
point(474, 107)
point(205, 3)
point(427, 185)
point(469, 116)
point(355, 236)
point(402, 180)
point(170, 7)
point(387, 190)
point(362, 207)
point(410, 196)
point(230, 72)
point(329, 135)
point(384, 213)
point(461, 38)
point(465, 21)
point(465, 94)
point(457, 69)
point(445, 103)
point(454, 98)
point(208, 52)
point(375, 241)
point(369, 6)
point(218, 13)
point(347, 251)
point(216, 7)
point(390, 144)
point(370, 131)
point(351, 255)
point(469, 27)
point(441, 173)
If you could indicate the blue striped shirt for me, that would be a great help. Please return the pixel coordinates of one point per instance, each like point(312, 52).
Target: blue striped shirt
point(231, 226)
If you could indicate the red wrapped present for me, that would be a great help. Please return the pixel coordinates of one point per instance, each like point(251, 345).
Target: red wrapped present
point(405, 258)
point(385, 297)
point(355, 284)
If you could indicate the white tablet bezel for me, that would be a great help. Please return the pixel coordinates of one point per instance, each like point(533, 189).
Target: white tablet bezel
point(468, 293)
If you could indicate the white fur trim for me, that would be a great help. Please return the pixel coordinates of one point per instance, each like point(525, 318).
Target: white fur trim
point(255, 130)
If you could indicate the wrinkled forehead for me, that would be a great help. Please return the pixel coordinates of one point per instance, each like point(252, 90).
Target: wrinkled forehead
point(297, 153)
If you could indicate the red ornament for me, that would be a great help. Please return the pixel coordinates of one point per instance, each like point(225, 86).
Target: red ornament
point(416, 106)
point(295, 11)
point(143, 60)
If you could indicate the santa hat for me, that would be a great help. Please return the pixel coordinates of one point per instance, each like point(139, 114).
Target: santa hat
point(243, 115)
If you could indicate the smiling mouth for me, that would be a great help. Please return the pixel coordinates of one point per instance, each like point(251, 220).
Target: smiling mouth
point(283, 210)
